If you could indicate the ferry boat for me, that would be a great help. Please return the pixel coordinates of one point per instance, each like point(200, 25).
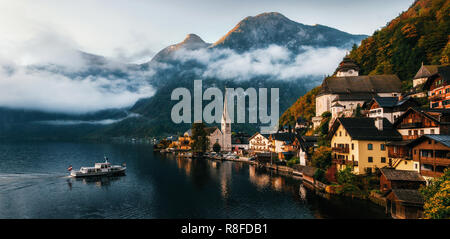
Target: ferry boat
point(99, 169)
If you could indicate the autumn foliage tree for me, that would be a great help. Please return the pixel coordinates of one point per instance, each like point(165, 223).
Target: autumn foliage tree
point(437, 197)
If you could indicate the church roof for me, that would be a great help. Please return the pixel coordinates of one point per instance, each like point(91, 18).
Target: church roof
point(361, 84)
point(210, 130)
point(347, 64)
point(426, 71)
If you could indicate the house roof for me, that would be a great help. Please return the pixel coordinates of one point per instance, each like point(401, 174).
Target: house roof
point(441, 116)
point(441, 138)
point(443, 72)
point(408, 195)
point(401, 175)
point(392, 102)
point(426, 71)
point(364, 129)
point(361, 84)
point(287, 137)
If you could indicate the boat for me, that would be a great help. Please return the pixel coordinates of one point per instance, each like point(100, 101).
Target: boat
point(99, 169)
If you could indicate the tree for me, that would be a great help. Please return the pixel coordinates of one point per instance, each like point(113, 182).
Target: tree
point(437, 197)
point(216, 147)
point(200, 140)
point(321, 158)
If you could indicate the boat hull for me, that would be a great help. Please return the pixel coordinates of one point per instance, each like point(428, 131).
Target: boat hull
point(78, 174)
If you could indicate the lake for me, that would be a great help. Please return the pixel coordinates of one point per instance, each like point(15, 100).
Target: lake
point(34, 183)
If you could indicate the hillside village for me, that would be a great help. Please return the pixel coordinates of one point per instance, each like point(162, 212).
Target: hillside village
point(365, 126)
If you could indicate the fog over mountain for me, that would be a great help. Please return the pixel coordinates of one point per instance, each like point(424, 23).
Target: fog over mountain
point(267, 50)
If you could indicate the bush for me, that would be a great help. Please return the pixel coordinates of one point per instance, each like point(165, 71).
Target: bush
point(293, 161)
point(321, 158)
point(319, 175)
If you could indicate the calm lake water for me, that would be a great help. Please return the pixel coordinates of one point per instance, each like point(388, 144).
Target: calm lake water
point(34, 184)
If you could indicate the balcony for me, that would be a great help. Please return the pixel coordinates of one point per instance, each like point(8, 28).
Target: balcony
point(398, 155)
point(341, 150)
point(411, 125)
point(433, 174)
point(437, 97)
point(438, 161)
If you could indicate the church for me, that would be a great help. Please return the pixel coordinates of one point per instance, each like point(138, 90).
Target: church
point(342, 93)
point(222, 136)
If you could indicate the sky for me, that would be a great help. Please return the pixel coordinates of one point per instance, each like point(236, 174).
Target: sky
point(41, 66)
point(135, 30)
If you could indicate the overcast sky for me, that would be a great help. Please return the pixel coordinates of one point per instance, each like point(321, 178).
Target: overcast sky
point(132, 29)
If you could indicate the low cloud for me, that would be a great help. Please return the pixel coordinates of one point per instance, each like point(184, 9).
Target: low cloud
point(274, 61)
point(91, 122)
point(49, 73)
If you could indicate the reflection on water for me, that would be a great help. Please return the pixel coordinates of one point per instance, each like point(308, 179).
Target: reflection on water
point(98, 181)
point(34, 184)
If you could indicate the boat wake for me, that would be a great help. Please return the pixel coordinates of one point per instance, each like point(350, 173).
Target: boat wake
point(17, 181)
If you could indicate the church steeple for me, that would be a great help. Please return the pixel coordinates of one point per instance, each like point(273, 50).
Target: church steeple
point(226, 125)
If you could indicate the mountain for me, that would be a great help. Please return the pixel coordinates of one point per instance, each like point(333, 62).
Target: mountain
point(252, 33)
point(191, 42)
point(242, 58)
point(274, 28)
point(418, 35)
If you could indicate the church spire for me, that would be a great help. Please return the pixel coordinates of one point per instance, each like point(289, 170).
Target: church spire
point(225, 115)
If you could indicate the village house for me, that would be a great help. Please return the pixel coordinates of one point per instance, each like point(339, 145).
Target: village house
point(259, 143)
point(305, 146)
point(389, 107)
point(281, 144)
point(399, 155)
point(348, 89)
point(400, 179)
point(361, 143)
point(405, 204)
point(438, 88)
point(422, 75)
point(416, 122)
point(431, 155)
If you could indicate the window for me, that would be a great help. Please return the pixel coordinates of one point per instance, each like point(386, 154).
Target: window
point(434, 105)
point(409, 132)
point(353, 146)
point(415, 166)
point(383, 159)
point(383, 147)
point(370, 159)
point(416, 132)
point(415, 151)
point(340, 133)
point(369, 146)
point(447, 90)
point(432, 131)
point(446, 102)
point(421, 132)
